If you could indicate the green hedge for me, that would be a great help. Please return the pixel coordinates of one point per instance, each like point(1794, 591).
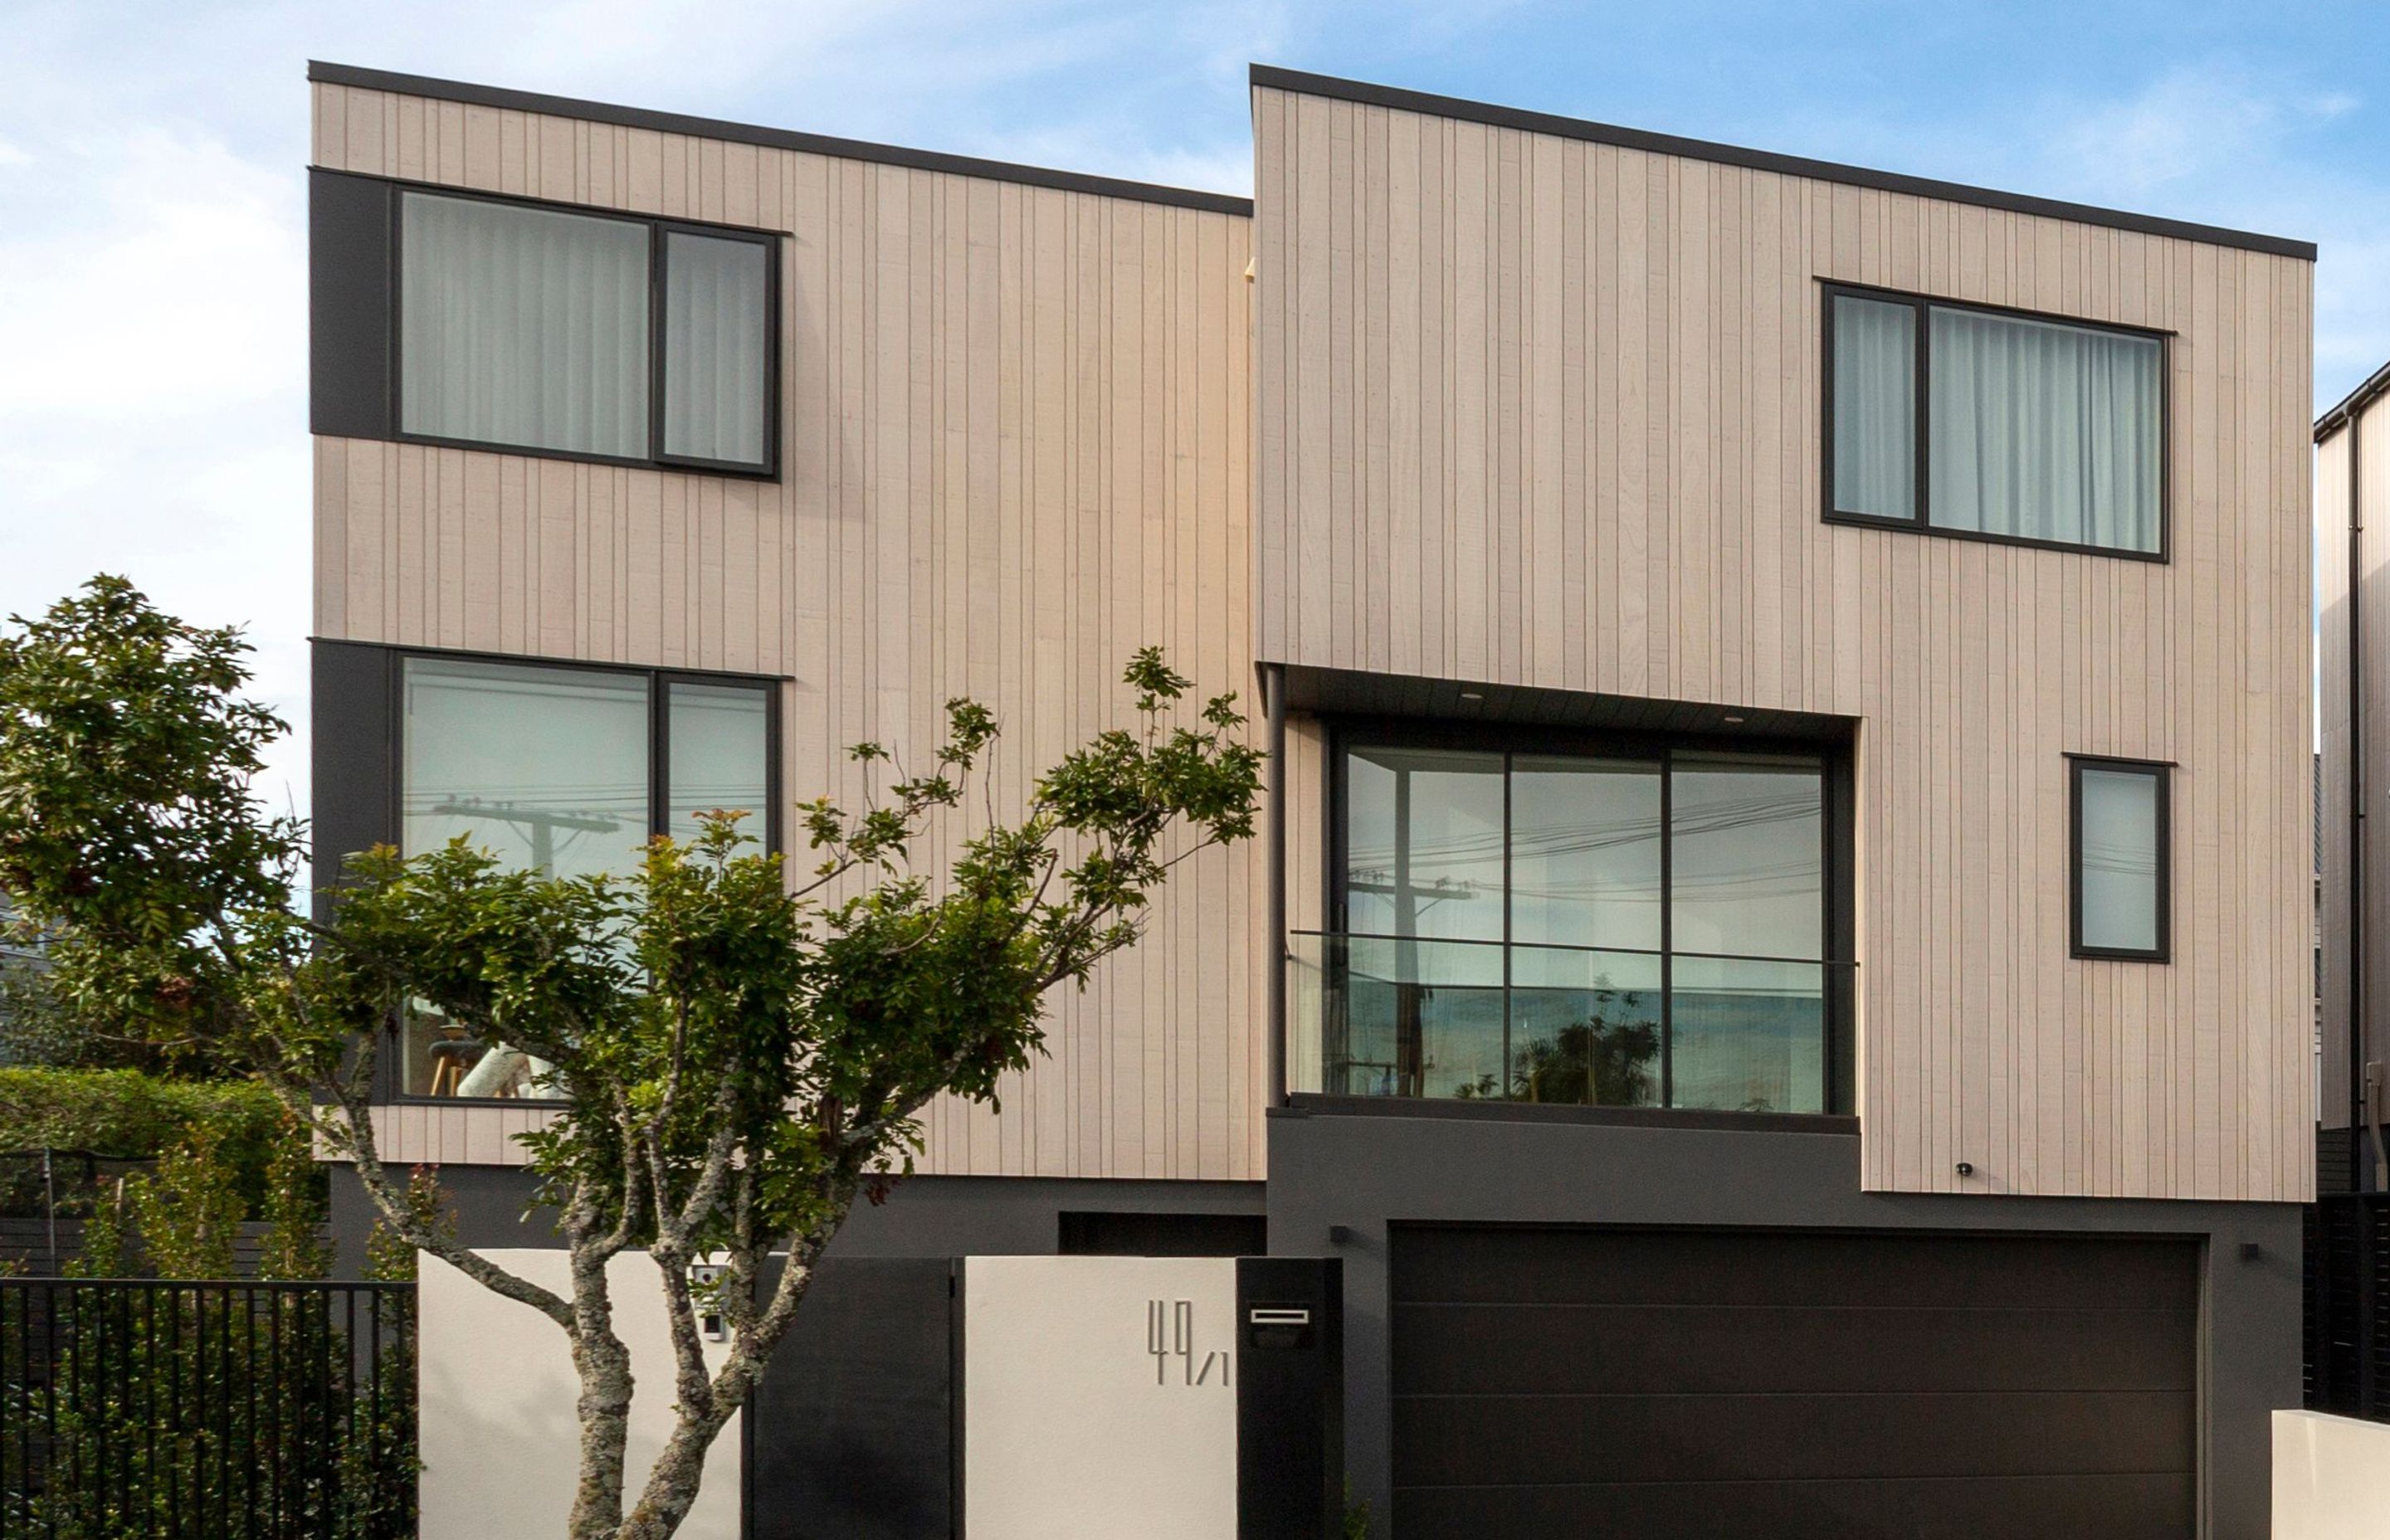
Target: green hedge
point(131, 1115)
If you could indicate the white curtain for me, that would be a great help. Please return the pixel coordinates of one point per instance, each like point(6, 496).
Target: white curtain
point(715, 328)
point(2048, 432)
point(522, 326)
point(2119, 837)
point(1875, 408)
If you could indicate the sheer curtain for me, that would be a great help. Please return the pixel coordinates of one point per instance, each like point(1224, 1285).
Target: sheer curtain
point(521, 325)
point(715, 326)
point(1875, 408)
point(2118, 839)
point(2047, 431)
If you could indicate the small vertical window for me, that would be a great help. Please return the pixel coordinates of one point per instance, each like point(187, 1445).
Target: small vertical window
point(2121, 861)
point(1875, 408)
point(718, 757)
point(717, 317)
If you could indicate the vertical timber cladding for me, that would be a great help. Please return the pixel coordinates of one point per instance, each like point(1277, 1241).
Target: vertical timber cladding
point(1015, 449)
point(1678, 1383)
point(1535, 409)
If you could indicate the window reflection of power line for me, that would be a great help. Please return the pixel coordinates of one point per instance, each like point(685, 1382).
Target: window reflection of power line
point(540, 824)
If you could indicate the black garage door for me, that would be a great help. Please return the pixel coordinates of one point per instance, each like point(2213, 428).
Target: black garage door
point(1671, 1384)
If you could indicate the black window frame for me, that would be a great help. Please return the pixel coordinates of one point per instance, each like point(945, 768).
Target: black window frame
point(1920, 520)
point(1838, 816)
point(660, 680)
point(2161, 771)
point(658, 227)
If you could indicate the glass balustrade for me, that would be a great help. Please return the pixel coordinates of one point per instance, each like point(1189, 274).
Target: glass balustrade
point(1396, 1016)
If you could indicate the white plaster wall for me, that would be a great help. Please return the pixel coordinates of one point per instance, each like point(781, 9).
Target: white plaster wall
point(1072, 1425)
point(2331, 1477)
point(499, 1442)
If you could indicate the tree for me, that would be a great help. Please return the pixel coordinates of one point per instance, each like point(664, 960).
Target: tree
point(742, 1050)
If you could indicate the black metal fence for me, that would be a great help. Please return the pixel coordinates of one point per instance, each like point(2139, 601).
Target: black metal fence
point(2347, 1358)
point(206, 1411)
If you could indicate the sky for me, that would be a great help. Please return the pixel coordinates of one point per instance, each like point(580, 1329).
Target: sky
point(152, 192)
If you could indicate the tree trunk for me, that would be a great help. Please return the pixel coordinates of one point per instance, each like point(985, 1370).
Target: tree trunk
point(604, 1408)
point(672, 1487)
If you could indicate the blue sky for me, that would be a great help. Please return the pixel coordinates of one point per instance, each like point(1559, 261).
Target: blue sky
point(152, 297)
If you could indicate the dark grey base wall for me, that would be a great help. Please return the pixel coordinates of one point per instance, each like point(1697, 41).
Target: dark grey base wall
point(940, 1216)
point(490, 1203)
point(924, 1216)
point(1360, 1169)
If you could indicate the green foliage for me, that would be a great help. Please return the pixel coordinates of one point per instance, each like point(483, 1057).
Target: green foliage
point(188, 1210)
point(1357, 1524)
point(390, 1256)
point(132, 1115)
point(106, 1237)
point(128, 830)
point(294, 1246)
point(35, 1026)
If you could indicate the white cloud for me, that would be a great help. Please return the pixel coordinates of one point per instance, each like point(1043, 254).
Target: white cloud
point(173, 284)
point(2190, 122)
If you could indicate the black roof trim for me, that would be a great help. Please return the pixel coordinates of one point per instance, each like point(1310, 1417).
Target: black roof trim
point(2350, 405)
point(771, 138)
point(1760, 160)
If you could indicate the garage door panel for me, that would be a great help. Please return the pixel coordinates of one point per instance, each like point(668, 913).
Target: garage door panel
point(1526, 1267)
point(1669, 1383)
point(2129, 1506)
point(1522, 1440)
point(1562, 1349)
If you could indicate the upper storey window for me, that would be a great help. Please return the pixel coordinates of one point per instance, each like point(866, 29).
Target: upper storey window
point(1992, 424)
point(443, 316)
point(531, 326)
point(1615, 920)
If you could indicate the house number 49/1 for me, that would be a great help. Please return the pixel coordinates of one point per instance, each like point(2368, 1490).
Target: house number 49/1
point(1170, 1334)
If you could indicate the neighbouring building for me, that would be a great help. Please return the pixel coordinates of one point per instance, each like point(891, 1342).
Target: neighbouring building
point(2348, 1318)
point(1781, 961)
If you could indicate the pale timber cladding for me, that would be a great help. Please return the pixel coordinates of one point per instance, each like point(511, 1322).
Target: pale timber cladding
point(1539, 411)
point(1015, 426)
point(2371, 439)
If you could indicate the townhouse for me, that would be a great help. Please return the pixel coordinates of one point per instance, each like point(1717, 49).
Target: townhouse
point(1779, 955)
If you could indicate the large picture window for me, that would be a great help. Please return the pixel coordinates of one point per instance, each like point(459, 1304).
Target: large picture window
point(569, 771)
point(1643, 927)
point(564, 331)
point(1994, 425)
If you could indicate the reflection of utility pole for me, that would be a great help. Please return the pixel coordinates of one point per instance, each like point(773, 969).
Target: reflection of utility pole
point(537, 823)
point(1411, 994)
